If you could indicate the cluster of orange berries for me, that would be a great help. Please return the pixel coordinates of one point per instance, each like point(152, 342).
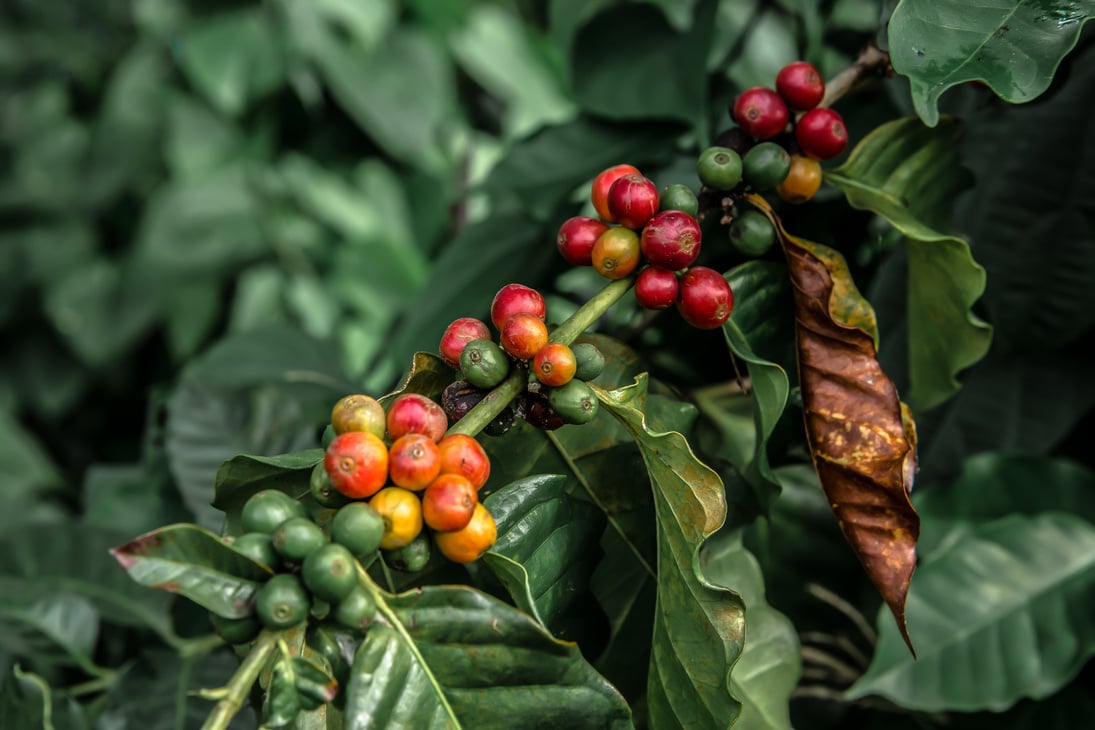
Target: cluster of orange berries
point(418, 477)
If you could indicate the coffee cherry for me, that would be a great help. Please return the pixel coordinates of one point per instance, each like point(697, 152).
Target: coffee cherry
point(472, 541)
point(601, 185)
point(402, 513)
point(513, 299)
point(752, 233)
point(484, 364)
point(575, 402)
point(413, 461)
point(258, 546)
point(448, 503)
point(538, 413)
point(296, 538)
point(734, 138)
point(761, 112)
point(323, 491)
point(457, 335)
point(410, 558)
point(616, 253)
point(719, 168)
point(359, 528)
point(800, 85)
point(329, 572)
point(680, 197)
point(705, 300)
point(765, 166)
point(590, 360)
point(356, 610)
point(236, 630)
point(802, 182)
point(671, 240)
point(358, 413)
point(554, 364)
point(821, 134)
point(357, 463)
point(415, 413)
point(656, 288)
point(523, 335)
point(462, 454)
point(633, 200)
point(576, 238)
point(282, 602)
point(266, 509)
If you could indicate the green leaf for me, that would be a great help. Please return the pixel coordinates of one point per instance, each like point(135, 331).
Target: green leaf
point(770, 664)
point(195, 563)
point(547, 545)
point(699, 626)
point(48, 627)
point(993, 485)
point(910, 175)
point(657, 72)
point(1013, 46)
point(74, 559)
point(24, 464)
point(233, 58)
point(459, 658)
point(28, 703)
point(1029, 218)
point(243, 475)
point(1002, 613)
point(760, 289)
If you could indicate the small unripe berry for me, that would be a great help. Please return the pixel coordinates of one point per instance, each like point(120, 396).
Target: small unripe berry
point(513, 299)
point(601, 185)
point(617, 253)
point(752, 233)
point(671, 239)
point(633, 200)
point(800, 85)
point(761, 112)
point(656, 288)
point(457, 335)
point(705, 300)
point(719, 168)
point(576, 238)
point(821, 134)
point(680, 197)
point(765, 166)
point(802, 181)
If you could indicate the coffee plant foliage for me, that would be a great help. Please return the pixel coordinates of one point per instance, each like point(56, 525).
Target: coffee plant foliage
point(860, 497)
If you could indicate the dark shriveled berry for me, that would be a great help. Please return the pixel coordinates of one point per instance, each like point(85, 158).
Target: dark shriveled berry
point(537, 411)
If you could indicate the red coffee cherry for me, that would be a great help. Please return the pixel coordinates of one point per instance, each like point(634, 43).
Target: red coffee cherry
point(671, 239)
point(601, 184)
point(414, 461)
point(761, 112)
point(457, 335)
point(656, 288)
point(576, 238)
point(633, 200)
point(357, 463)
point(415, 413)
point(705, 300)
point(513, 299)
point(523, 335)
point(800, 85)
point(821, 134)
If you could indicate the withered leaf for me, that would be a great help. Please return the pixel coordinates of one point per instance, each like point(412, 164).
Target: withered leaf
point(861, 436)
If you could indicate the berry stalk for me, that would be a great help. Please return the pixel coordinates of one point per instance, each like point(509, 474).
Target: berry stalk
point(238, 688)
point(487, 409)
point(872, 61)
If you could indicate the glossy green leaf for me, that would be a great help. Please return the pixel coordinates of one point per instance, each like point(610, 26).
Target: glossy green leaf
point(547, 545)
point(760, 288)
point(698, 626)
point(28, 703)
point(1028, 214)
point(1013, 46)
point(770, 663)
point(243, 475)
point(459, 658)
point(910, 175)
point(49, 627)
point(1002, 613)
point(635, 85)
point(233, 58)
point(74, 559)
point(195, 563)
point(992, 486)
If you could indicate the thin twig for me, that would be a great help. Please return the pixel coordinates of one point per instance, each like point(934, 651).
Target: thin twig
point(826, 596)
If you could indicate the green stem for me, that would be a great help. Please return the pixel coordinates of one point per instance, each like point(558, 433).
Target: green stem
point(240, 685)
point(496, 401)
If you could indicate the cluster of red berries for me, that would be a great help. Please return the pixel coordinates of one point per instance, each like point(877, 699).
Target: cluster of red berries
point(418, 477)
point(561, 372)
point(658, 230)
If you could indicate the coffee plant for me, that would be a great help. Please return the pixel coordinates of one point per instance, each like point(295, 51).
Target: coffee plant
point(701, 364)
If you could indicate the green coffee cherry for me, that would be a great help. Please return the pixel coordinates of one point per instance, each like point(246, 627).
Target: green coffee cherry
point(410, 558)
point(590, 361)
point(765, 166)
point(356, 610)
point(267, 509)
point(358, 527)
point(752, 233)
point(259, 547)
point(322, 490)
point(719, 168)
point(329, 572)
point(574, 402)
point(680, 197)
point(282, 602)
point(295, 538)
point(236, 630)
point(483, 363)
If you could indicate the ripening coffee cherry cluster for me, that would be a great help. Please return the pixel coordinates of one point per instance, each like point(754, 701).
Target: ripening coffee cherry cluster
point(656, 234)
point(558, 393)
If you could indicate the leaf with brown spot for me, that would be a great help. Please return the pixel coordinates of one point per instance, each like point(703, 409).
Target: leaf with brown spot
point(861, 436)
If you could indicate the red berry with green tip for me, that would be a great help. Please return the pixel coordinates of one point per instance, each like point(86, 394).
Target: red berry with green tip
point(761, 112)
point(800, 85)
point(633, 200)
point(576, 238)
point(671, 240)
point(656, 288)
point(705, 300)
point(821, 134)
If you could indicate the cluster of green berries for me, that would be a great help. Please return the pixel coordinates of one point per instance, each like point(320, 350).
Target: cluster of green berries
point(656, 234)
point(558, 392)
